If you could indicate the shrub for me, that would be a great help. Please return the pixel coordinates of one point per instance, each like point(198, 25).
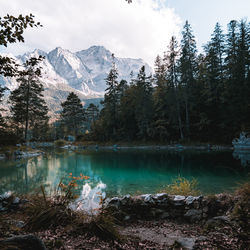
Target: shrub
point(60, 143)
point(54, 211)
point(182, 186)
point(241, 211)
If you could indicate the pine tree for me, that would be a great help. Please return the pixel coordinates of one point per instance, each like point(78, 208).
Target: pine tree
point(173, 84)
point(161, 112)
point(73, 114)
point(214, 83)
point(28, 107)
point(92, 113)
point(188, 69)
point(111, 101)
point(143, 103)
point(234, 87)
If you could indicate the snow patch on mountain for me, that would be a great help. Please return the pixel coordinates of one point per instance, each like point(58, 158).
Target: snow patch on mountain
point(83, 72)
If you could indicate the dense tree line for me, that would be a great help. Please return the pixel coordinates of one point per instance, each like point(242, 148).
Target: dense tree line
point(191, 97)
point(203, 97)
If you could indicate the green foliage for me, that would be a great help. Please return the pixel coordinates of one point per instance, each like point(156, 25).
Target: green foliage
point(73, 115)
point(60, 143)
point(182, 186)
point(202, 97)
point(11, 31)
point(28, 108)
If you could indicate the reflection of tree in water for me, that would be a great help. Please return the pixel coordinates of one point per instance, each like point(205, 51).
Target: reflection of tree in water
point(123, 171)
point(243, 156)
point(26, 176)
point(71, 162)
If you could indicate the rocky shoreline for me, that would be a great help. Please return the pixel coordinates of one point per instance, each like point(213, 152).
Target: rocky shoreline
point(36, 148)
point(150, 221)
point(163, 206)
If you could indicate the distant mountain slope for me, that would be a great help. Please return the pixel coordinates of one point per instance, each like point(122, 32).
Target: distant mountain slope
point(83, 72)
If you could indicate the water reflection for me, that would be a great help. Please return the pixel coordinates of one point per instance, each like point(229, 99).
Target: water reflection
point(123, 172)
point(243, 156)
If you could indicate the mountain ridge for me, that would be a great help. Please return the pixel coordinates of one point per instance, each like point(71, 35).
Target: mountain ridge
point(82, 72)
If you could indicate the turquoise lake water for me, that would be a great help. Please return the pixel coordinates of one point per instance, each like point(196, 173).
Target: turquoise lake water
point(124, 172)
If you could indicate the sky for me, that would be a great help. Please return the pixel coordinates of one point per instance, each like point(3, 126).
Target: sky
point(138, 30)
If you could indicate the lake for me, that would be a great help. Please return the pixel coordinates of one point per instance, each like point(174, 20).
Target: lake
point(124, 171)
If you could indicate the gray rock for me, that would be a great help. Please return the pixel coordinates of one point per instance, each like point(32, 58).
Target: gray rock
point(16, 200)
point(217, 221)
point(164, 215)
point(127, 218)
point(114, 202)
point(193, 215)
point(27, 242)
point(201, 238)
point(190, 199)
point(125, 200)
point(148, 198)
point(5, 196)
point(222, 218)
point(160, 196)
point(187, 243)
point(179, 200)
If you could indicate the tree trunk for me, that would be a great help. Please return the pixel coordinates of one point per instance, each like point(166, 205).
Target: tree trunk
point(27, 113)
point(187, 115)
point(178, 113)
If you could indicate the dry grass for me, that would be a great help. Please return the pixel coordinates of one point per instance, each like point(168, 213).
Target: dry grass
point(241, 211)
point(182, 186)
point(54, 211)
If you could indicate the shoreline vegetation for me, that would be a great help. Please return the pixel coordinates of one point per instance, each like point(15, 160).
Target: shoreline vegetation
point(159, 221)
point(33, 149)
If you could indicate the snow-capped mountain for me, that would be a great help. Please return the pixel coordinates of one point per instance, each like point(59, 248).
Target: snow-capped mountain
point(83, 72)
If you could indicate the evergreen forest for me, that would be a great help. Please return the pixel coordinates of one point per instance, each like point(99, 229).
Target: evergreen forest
point(191, 97)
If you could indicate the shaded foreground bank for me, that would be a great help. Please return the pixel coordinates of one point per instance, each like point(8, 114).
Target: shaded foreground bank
point(214, 222)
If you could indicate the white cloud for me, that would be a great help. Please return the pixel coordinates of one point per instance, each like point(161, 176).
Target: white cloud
point(138, 30)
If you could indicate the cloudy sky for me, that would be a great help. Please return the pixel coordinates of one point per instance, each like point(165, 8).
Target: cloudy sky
point(138, 30)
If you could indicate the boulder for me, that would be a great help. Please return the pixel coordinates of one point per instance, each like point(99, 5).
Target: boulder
point(186, 243)
point(191, 199)
point(217, 221)
point(193, 215)
point(179, 200)
point(27, 242)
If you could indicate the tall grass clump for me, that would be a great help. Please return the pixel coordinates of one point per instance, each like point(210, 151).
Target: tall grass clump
point(53, 211)
point(182, 186)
